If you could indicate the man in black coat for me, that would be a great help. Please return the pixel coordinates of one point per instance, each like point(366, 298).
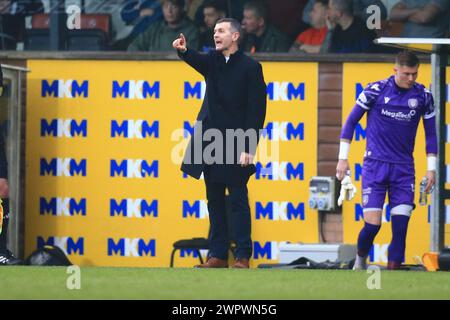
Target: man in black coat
point(6, 257)
point(225, 138)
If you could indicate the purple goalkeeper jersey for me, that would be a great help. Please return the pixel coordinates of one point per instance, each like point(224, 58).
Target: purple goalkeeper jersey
point(393, 115)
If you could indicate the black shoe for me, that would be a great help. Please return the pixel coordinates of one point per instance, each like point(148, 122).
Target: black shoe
point(8, 259)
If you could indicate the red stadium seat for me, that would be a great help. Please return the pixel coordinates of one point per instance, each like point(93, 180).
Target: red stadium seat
point(390, 29)
point(88, 21)
point(96, 21)
point(40, 21)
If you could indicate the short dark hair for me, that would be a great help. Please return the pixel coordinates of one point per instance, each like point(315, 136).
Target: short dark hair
point(218, 5)
point(178, 3)
point(258, 7)
point(407, 58)
point(322, 2)
point(234, 24)
point(345, 6)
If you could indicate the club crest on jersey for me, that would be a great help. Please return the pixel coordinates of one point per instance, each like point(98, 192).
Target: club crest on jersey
point(365, 199)
point(413, 103)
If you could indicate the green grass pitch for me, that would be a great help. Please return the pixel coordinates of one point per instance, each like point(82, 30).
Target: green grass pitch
point(195, 284)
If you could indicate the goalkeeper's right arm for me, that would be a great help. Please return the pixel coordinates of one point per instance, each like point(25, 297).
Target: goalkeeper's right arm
point(346, 138)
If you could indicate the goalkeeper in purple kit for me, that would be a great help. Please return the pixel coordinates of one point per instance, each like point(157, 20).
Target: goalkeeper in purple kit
point(394, 107)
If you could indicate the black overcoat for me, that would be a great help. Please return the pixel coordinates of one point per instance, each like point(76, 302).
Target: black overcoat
point(235, 101)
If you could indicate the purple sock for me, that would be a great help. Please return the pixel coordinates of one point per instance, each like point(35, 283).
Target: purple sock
point(396, 251)
point(365, 239)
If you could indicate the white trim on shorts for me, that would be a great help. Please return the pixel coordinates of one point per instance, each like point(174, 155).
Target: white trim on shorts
point(404, 210)
point(372, 209)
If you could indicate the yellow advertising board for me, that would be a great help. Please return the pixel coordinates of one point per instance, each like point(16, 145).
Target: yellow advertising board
point(104, 142)
point(356, 76)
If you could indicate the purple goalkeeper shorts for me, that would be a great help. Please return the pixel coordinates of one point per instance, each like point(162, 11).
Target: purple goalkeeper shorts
point(379, 177)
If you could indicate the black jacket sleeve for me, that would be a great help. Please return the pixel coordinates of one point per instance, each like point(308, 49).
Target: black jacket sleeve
point(3, 163)
point(256, 103)
point(196, 60)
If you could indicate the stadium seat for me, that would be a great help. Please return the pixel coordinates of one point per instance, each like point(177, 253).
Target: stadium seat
point(194, 244)
point(37, 39)
point(93, 35)
point(96, 21)
point(87, 21)
point(7, 42)
point(40, 21)
point(197, 244)
point(86, 40)
point(390, 29)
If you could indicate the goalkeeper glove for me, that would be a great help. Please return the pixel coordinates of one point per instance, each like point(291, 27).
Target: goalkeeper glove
point(348, 190)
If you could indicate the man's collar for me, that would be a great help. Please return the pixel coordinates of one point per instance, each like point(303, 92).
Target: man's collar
point(234, 55)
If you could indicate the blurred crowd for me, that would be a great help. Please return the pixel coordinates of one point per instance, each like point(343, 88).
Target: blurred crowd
point(306, 26)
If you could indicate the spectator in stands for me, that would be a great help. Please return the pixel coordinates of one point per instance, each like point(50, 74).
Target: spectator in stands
point(422, 18)
point(235, 9)
point(346, 33)
point(260, 35)
point(6, 257)
point(159, 36)
point(12, 20)
point(213, 11)
point(194, 10)
point(198, 15)
point(140, 14)
point(310, 41)
point(359, 9)
point(286, 16)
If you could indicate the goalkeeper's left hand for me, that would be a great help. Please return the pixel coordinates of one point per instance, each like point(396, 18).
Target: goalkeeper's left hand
point(347, 188)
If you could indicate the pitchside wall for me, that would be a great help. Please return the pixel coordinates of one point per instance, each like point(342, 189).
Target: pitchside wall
point(102, 183)
point(104, 144)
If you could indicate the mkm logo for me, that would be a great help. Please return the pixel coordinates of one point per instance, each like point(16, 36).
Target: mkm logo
point(136, 89)
point(379, 253)
point(448, 93)
point(268, 250)
point(134, 168)
point(192, 253)
point(358, 171)
point(62, 206)
point(133, 208)
point(284, 131)
point(188, 129)
point(359, 88)
point(198, 209)
point(67, 128)
point(65, 89)
point(285, 91)
point(280, 211)
point(360, 133)
point(138, 129)
point(282, 171)
point(196, 91)
point(67, 244)
point(126, 247)
point(63, 167)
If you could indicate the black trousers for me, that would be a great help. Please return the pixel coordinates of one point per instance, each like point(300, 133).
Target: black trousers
point(4, 233)
point(234, 225)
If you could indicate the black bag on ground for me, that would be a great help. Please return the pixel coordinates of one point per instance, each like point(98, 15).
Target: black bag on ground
point(48, 256)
